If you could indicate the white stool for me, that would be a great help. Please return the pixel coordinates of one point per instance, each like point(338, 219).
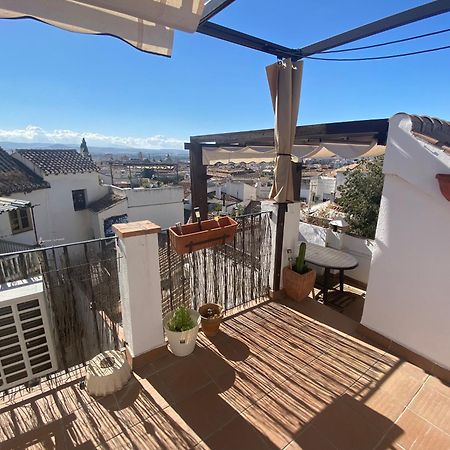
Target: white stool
point(106, 373)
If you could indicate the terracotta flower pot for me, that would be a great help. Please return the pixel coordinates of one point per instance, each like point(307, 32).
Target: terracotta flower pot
point(444, 184)
point(298, 286)
point(207, 233)
point(211, 316)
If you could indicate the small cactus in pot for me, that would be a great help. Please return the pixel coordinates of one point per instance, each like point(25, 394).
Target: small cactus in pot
point(298, 280)
point(300, 265)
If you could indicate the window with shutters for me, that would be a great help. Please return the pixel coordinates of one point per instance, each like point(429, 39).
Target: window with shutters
point(20, 220)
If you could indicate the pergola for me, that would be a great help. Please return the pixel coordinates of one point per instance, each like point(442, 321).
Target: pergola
point(361, 133)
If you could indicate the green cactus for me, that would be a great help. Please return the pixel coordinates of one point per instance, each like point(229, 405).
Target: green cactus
point(300, 266)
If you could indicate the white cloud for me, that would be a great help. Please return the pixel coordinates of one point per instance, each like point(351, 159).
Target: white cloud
point(33, 133)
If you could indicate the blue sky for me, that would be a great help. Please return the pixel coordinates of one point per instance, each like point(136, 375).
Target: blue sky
point(57, 85)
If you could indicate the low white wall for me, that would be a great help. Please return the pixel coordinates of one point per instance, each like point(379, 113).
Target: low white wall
point(163, 206)
point(408, 293)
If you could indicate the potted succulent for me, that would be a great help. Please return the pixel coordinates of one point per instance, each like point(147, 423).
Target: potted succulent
point(211, 316)
point(181, 328)
point(299, 280)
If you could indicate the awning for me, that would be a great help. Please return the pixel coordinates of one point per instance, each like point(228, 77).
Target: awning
point(147, 25)
point(11, 204)
point(258, 154)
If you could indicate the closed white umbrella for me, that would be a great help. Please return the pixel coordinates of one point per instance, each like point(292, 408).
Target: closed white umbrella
point(284, 80)
point(147, 25)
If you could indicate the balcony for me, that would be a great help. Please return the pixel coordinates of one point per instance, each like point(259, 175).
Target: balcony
point(277, 376)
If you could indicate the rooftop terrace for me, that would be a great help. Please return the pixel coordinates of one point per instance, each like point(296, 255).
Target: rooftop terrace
point(279, 375)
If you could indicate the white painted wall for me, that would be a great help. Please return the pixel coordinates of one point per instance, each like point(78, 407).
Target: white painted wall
point(163, 206)
point(56, 221)
point(408, 296)
point(240, 190)
point(322, 188)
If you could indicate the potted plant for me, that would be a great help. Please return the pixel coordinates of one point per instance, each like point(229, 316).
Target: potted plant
point(211, 317)
point(181, 328)
point(299, 280)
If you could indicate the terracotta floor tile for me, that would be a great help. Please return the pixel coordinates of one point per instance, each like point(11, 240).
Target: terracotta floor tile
point(411, 426)
point(160, 431)
point(93, 424)
point(331, 373)
point(205, 412)
point(211, 361)
point(238, 435)
point(183, 378)
point(283, 413)
point(380, 400)
point(233, 349)
point(245, 385)
point(349, 424)
point(438, 385)
point(51, 436)
point(136, 402)
point(433, 406)
point(311, 439)
point(434, 439)
point(399, 380)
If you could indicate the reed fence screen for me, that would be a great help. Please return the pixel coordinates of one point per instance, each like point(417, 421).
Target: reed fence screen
point(230, 275)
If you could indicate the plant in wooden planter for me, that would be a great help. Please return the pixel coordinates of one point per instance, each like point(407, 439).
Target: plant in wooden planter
point(298, 281)
point(203, 234)
point(444, 184)
point(211, 316)
point(181, 327)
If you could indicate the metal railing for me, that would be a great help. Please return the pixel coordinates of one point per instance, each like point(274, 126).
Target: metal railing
point(82, 291)
point(231, 275)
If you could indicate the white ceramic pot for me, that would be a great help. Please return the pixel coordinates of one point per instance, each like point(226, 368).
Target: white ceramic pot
point(182, 343)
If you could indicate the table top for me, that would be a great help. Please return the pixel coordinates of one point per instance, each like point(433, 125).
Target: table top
point(329, 258)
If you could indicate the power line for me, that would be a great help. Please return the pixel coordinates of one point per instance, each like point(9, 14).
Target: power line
point(434, 33)
point(372, 58)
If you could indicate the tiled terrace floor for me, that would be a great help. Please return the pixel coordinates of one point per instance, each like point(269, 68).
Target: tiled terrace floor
point(273, 378)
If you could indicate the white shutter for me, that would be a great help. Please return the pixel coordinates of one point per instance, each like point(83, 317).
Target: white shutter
point(26, 344)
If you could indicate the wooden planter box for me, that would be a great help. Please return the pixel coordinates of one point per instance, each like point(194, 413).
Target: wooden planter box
point(200, 235)
point(298, 286)
point(444, 184)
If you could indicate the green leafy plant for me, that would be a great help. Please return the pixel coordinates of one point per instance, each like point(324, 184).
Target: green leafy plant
point(181, 320)
point(300, 265)
point(361, 196)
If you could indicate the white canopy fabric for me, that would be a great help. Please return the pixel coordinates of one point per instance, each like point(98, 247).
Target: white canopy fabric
point(147, 25)
point(213, 155)
point(285, 80)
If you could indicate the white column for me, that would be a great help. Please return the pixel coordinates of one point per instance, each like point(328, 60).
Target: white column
point(290, 235)
point(140, 285)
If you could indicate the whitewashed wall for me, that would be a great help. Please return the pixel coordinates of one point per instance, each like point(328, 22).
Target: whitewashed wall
point(242, 191)
point(163, 206)
point(56, 221)
point(408, 296)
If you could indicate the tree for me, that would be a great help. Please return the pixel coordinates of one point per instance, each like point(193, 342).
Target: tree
point(361, 196)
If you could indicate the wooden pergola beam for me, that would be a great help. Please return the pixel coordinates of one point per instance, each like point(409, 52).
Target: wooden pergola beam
point(353, 130)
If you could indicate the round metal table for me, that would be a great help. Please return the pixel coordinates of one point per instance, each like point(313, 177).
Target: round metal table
point(330, 259)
